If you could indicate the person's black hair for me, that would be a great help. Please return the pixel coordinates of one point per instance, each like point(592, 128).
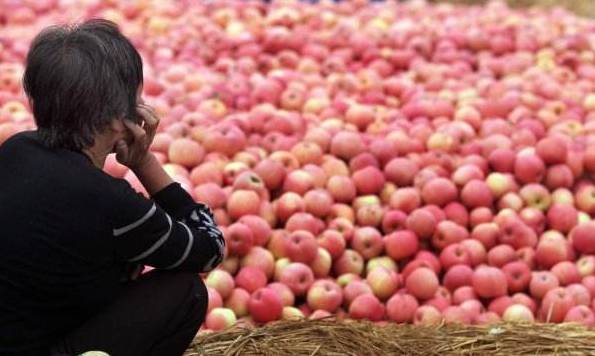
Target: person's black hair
point(79, 78)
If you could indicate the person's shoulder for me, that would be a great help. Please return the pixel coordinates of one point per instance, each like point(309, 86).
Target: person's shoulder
point(21, 137)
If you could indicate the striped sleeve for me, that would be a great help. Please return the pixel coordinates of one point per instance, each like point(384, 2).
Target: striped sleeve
point(169, 231)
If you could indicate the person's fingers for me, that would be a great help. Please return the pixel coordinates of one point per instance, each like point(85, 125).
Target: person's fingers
point(138, 133)
point(150, 118)
point(121, 151)
point(151, 121)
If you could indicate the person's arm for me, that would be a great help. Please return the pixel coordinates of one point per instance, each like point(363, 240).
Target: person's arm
point(169, 231)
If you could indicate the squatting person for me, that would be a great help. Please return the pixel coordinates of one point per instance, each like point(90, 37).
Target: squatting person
point(74, 238)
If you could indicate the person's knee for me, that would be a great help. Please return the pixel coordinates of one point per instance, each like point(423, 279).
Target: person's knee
point(196, 291)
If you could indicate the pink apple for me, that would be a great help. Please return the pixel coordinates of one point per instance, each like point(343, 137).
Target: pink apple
point(500, 304)
point(456, 314)
point(580, 293)
point(477, 194)
point(453, 255)
point(583, 237)
point(301, 246)
point(368, 180)
point(439, 191)
point(500, 255)
point(367, 241)
point(552, 150)
point(272, 172)
point(447, 233)
point(529, 168)
point(349, 262)
point(487, 318)
point(586, 265)
point(341, 188)
point(220, 319)
point(251, 278)
point(489, 282)
point(562, 217)
point(555, 305)
point(238, 302)
point(462, 294)
point(261, 258)
point(222, 281)
point(287, 297)
point(405, 199)
point(291, 313)
point(186, 152)
point(486, 233)
point(324, 295)
point(401, 308)
point(422, 283)
point(427, 315)
point(580, 314)
point(366, 306)
point(551, 249)
point(332, 241)
point(566, 272)
point(518, 313)
point(477, 251)
point(261, 230)
point(239, 239)
point(243, 202)
point(457, 276)
point(421, 222)
point(541, 283)
point(304, 221)
point(401, 171)
point(322, 264)
point(265, 305)
point(383, 282)
point(401, 244)
point(524, 299)
point(215, 300)
point(298, 277)
point(518, 276)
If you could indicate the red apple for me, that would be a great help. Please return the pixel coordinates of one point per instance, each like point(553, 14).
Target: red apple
point(518, 276)
point(401, 308)
point(489, 282)
point(220, 319)
point(251, 278)
point(301, 246)
point(422, 283)
point(401, 244)
point(366, 306)
point(298, 277)
point(238, 302)
point(583, 237)
point(457, 276)
point(541, 283)
point(221, 281)
point(368, 242)
point(239, 239)
point(325, 295)
point(555, 305)
point(265, 305)
point(422, 222)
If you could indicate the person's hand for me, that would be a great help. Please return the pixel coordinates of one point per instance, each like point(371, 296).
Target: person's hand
point(135, 153)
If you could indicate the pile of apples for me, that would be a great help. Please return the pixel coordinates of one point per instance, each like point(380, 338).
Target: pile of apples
point(391, 161)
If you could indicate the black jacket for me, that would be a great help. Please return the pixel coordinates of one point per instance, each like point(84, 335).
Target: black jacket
point(68, 231)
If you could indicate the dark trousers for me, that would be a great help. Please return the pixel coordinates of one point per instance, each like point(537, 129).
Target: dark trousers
point(158, 315)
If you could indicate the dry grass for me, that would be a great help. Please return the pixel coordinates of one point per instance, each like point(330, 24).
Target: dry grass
point(332, 337)
point(580, 7)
